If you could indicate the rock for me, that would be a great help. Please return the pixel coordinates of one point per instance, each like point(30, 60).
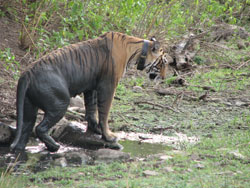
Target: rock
point(241, 45)
point(168, 169)
point(7, 134)
point(76, 109)
point(240, 103)
point(108, 155)
point(199, 166)
point(236, 155)
point(227, 173)
point(66, 132)
point(78, 158)
point(189, 170)
point(76, 134)
point(77, 102)
point(165, 157)
point(150, 173)
point(194, 157)
point(137, 89)
point(61, 162)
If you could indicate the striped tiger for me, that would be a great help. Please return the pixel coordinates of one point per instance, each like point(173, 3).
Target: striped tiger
point(93, 67)
point(159, 68)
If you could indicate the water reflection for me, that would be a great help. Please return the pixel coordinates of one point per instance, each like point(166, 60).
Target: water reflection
point(142, 149)
point(36, 158)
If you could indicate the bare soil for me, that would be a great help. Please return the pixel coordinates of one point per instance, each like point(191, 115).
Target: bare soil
point(8, 39)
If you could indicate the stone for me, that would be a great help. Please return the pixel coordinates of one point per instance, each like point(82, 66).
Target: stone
point(165, 157)
point(240, 103)
point(168, 169)
point(7, 134)
point(77, 102)
point(194, 157)
point(137, 89)
point(189, 170)
point(62, 162)
point(78, 158)
point(241, 45)
point(236, 155)
point(108, 155)
point(150, 173)
point(76, 134)
point(70, 133)
point(199, 166)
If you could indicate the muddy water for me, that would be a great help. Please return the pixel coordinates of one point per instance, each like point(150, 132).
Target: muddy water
point(39, 159)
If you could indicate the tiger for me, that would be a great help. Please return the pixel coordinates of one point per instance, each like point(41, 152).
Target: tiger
point(158, 69)
point(94, 68)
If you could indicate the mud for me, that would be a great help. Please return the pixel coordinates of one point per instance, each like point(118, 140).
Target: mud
point(37, 158)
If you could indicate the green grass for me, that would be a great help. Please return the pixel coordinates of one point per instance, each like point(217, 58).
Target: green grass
point(221, 79)
point(206, 164)
point(220, 159)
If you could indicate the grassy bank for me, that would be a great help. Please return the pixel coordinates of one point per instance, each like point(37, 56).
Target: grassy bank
point(220, 159)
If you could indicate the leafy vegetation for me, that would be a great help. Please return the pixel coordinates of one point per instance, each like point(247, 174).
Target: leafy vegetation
point(48, 24)
point(10, 62)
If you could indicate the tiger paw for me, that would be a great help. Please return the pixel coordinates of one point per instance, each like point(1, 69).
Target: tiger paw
point(110, 137)
point(94, 128)
point(49, 142)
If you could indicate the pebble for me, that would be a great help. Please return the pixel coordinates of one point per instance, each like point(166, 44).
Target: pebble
point(150, 173)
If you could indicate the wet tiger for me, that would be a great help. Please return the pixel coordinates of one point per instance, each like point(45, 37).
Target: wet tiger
point(92, 67)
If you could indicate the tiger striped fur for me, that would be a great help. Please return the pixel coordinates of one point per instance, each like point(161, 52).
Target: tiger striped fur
point(92, 67)
point(158, 69)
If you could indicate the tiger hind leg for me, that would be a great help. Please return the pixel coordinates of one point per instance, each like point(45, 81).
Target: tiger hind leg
point(49, 120)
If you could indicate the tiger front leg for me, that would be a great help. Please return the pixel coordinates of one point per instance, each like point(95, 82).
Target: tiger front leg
point(90, 100)
point(105, 96)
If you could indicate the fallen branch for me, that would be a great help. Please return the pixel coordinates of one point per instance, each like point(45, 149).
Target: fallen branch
point(183, 95)
point(243, 64)
point(158, 105)
point(75, 115)
point(208, 88)
point(121, 116)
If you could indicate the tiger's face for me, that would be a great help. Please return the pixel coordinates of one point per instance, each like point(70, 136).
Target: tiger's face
point(158, 69)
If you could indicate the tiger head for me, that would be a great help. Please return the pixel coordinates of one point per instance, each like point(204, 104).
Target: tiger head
point(158, 69)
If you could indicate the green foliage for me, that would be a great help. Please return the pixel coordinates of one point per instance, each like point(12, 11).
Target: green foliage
point(170, 80)
point(219, 79)
point(10, 62)
point(77, 20)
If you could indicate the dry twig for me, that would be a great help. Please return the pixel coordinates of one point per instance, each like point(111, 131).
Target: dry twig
point(158, 105)
point(75, 115)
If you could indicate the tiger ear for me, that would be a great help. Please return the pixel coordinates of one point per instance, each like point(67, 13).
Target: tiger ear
point(153, 38)
point(156, 46)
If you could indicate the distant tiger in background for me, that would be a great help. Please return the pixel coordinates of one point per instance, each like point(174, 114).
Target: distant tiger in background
point(158, 69)
point(92, 67)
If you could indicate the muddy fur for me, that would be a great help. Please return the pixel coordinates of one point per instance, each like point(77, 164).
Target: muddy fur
point(92, 67)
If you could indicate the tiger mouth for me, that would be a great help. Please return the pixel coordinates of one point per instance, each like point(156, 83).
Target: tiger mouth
point(152, 76)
